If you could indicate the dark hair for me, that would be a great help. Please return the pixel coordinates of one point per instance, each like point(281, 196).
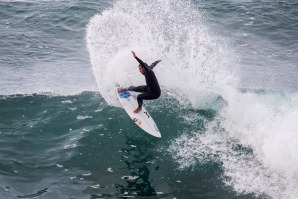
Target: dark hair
point(141, 66)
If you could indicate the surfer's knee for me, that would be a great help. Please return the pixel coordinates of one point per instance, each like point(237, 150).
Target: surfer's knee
point(158, 95)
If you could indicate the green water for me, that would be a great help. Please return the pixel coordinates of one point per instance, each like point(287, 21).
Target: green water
point(78, 147)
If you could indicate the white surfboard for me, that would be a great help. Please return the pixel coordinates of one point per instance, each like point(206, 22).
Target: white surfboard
point(143, 119)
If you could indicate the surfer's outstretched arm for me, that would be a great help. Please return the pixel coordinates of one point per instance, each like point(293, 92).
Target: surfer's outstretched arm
point(138, 59)
point(154, 64)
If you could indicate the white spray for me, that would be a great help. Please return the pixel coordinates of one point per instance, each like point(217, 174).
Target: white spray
point(192, 59)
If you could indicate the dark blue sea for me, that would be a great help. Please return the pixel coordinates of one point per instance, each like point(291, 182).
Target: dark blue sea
point(227, 114)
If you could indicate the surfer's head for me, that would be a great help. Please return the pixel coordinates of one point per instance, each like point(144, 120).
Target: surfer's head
point(142, 69)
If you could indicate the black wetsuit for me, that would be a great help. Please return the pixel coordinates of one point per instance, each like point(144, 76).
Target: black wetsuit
point(151, 90)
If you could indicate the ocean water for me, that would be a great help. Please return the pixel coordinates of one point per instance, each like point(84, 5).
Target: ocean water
point(228, 111)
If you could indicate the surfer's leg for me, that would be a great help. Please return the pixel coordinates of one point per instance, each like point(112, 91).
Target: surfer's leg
point(149, 96)
point(140, 89)
point(146, 96)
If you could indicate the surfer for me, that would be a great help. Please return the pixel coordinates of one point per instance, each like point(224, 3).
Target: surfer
point(151, 90)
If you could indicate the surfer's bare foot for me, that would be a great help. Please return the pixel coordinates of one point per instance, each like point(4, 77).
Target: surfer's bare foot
point(137, 110)
point(119, 90)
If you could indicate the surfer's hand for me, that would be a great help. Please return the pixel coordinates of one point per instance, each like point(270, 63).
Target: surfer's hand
point(133, 53)
point(158, 60)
